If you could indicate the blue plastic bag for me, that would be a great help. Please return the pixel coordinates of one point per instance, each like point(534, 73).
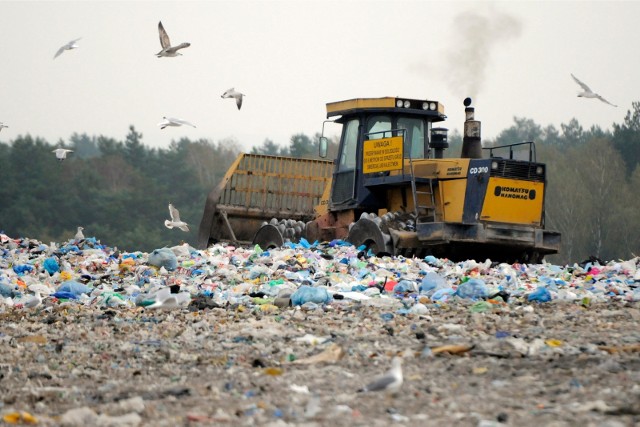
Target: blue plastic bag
point(541, 294)
point(51, 266)
point(473, 289)
point(75, 288)
point(163, 257)
point(307, 293)
point(432, 282)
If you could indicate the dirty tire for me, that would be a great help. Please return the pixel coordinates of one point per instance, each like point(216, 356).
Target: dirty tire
point(366, 232)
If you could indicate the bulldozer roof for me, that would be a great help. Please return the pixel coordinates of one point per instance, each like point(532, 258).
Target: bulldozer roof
point(395, 104)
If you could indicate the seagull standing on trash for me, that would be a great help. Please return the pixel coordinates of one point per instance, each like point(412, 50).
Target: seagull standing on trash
point(165, 299)
point(32, 301)
point(232, 93)
point(170, 121)
point(61, 153)
point(390, 382)
point(71, 45)
point(175, 220)
point(167, 49)
point(79, 235)
point(588, 93)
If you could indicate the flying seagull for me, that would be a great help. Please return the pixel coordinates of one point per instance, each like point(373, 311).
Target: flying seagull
point(588, 93)
point(232, 93)
point(2, 125)
point(61, 153)
point(175, 219)
point(167, 49)
point(390, 382)
point(171, 121)
point(71, 45)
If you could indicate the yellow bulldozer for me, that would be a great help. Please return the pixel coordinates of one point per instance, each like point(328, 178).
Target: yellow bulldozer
point(390, 189)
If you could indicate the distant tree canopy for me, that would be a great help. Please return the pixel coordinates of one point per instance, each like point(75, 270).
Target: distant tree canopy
point(119, 190)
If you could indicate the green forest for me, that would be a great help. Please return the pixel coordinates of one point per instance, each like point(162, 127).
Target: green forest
point(119, 191)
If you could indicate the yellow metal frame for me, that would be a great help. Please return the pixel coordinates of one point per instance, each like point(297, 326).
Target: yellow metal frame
point(341, 107)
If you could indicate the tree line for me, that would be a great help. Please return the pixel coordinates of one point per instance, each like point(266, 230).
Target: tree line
point(119, 191)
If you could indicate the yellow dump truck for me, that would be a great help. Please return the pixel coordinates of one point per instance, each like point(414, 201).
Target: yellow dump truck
point(390, 189)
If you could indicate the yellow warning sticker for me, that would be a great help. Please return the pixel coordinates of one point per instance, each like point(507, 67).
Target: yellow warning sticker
point(381, 155)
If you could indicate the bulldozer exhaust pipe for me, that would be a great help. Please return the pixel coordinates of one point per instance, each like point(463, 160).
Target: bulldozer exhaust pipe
point(471, 141)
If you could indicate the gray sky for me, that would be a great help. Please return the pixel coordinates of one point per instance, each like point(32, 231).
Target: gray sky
point(292, 57)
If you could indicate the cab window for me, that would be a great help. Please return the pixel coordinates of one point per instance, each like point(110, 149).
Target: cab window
point(414, 141)
point(379, 123)
point(350, 138)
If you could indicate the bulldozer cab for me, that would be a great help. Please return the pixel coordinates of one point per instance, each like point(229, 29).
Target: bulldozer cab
point(377, 135)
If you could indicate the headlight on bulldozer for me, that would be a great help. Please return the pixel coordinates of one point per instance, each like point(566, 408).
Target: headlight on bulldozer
point(399, 103)
point(433, 106)
point(494, 166)
point(539, 170)
point(407, 104)
point(425, 105)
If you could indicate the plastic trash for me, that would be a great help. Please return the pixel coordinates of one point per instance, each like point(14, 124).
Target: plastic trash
point(74, 288)
point(307, 293)
point(6, 291)
point(430, 259)
point(541, 294)
point(472, 289)
point(442, 294)
point(404, 286)
point(51, 266)
point(21, 269)
point(432, 282)
point(163, 257)
point(64, 295)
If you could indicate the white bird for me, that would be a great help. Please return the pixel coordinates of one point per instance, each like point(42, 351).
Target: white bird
point(2, 125)
point(175, 220)
point(167, 49)
point(171, 121)
point(71, 45)
point(232, 93)
point(390, 381)
point(32, 301)
point(79, 235)
point(588, 93)
point(164, 299)
point(61, 153)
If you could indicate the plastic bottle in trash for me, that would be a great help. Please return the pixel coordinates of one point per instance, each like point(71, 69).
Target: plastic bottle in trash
point(307, 293)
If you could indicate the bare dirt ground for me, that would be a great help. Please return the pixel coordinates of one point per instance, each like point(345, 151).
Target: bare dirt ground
point(551, 364)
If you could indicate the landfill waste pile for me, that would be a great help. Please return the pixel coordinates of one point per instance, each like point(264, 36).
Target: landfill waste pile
point(311, 334)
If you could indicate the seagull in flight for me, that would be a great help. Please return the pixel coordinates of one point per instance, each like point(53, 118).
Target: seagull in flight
point(390, 382)
point(61, 153)
point(2, 125)
point(171, 121)
point(232, 93)
point(71, 45)
point(175, 219)
point(588, 93)
point(167, 49)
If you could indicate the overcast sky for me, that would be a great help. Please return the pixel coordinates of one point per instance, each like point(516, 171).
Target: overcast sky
point(292, 57)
